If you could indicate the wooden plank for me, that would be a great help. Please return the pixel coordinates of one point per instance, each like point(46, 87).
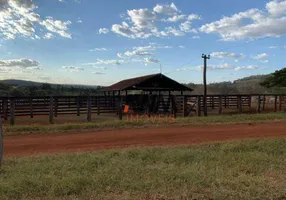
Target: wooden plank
point(31, 108)
point(98, 104)
point(198, 109)
point(51, 114)
point(56, 106)
point(239, 104)
point(78, 106)
point(220, 105)
point(88, 109)
point(12, 111)
point(120, 107)
point(258, 104)
point(280, 103)
point(275, 103)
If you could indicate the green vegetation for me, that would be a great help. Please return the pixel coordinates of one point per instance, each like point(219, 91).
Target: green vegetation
point(254, 169)
point(224, 119)
point(27, 88)
point(276, 79)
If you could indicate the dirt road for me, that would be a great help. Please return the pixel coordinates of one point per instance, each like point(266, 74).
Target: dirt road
point(72, 142)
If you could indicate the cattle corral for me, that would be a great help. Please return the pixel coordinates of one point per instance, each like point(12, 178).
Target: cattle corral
point(106, 107)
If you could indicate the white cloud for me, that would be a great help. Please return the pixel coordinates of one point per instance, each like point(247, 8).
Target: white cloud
point(175, 18)
point(98, 73)
point(277, 47)
point(249, 67)
point(100, 67)
point(107, 62)
point(137, 53)
point(276, 8)
point(166, 9)
point(99, 49)
point(79, 21)
point(48, 36)
point(142, 23)
point(182, 47)
point(224, 66)
point(103, 31)
point(57, 26)
point(17, 18)
point(260, 56)
point(196, 37)
point(253, 23)
point(22, 63)
point(72, 68)
point(227, 55)
point(151, 60)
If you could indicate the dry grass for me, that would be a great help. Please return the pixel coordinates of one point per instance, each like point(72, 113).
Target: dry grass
point(111, 124)
point(254, 169)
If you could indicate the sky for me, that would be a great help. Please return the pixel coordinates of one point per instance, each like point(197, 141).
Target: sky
point(100, 42)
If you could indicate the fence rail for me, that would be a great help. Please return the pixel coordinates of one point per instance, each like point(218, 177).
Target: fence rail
point(180, 105)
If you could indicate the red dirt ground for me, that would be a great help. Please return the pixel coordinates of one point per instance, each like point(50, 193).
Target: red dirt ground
point(24, 145)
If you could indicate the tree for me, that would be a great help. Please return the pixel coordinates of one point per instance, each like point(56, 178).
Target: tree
point(276, 79)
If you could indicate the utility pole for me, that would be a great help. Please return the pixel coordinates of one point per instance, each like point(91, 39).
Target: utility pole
point(205, 57)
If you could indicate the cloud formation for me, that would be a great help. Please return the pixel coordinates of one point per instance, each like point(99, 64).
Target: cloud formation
point(18, 18)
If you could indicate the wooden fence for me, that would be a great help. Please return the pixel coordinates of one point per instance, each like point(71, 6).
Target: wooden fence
point(187, 105)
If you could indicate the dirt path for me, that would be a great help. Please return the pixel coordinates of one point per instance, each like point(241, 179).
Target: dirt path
point(72, 142)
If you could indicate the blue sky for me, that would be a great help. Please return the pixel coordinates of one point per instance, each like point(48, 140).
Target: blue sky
point(102, 42)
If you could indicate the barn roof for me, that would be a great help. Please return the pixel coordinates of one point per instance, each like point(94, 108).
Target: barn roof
point(153, 82)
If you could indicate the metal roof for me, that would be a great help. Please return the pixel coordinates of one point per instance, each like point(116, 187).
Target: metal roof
point(153, 82)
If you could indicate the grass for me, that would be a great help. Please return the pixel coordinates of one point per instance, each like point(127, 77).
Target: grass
point(254, 169)
point(224, 119)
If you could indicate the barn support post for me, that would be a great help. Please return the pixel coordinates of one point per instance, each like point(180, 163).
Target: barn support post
point(263, 105)
point(51, 113)
point(174, 106)
point(220, 105)
point(198, 106)
point(120, 107)
point(239, 104)
point(280, 103)
point(56, 106)
point(77, 106)
point(88, 108)
point(149, 105)
point(184, 105)
point(31, 107)
point(249, 101)
point(12, 111)
point(259, 104)
point(6, 109)
point(275, 103)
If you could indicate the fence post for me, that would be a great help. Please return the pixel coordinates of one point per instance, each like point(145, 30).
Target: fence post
point(184, 106)
point(280, 103)
point(51, 114)
point(98, 104)
point(88, 109)
point(31, 108)
point(198, 106)
point(239, 102)
point(263, 105)
point(1, 143)
point(6, 109)
point(120, 107)
point(12, 111)
point(275, 103)
point(56, 101)
point(258, 104)
point(220, 105)
point(77, 106)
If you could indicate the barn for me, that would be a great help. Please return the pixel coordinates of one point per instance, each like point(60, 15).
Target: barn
point(148, 94)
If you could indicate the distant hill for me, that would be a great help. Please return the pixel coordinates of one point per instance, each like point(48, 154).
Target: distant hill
point(16, 82)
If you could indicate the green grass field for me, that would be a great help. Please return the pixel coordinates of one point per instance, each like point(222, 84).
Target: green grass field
point(224, 119)
point(253, 169)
